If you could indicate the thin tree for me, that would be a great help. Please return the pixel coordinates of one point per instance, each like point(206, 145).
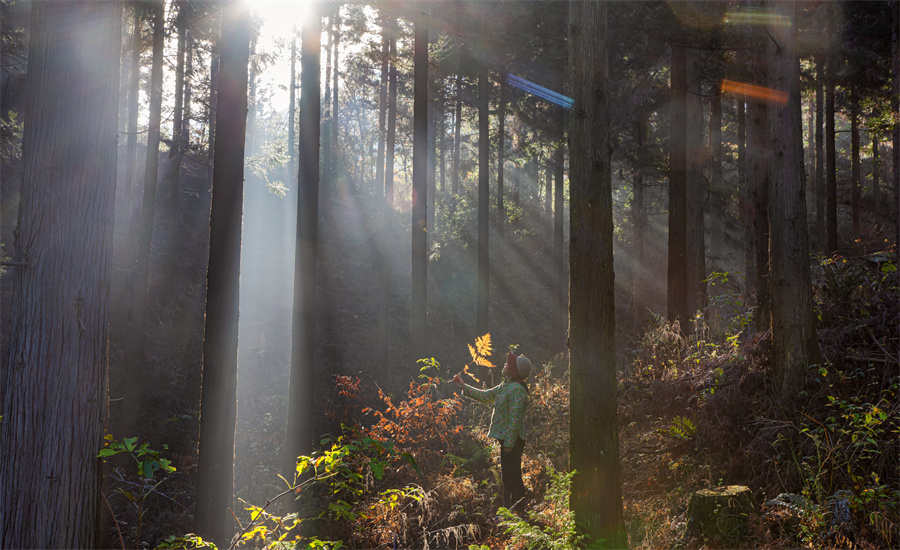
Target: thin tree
point(218, 410)
point(292, 110)
point(820, 153)
point(457, 135)
point(419, 325)
point(638, 221)
point(757, 178)
point(484, 208)
point(133, 111)
point(300, 420)
point(794, 343)
point(855, 171)
point(695, 241)
point(55, 405)
point(593, 435)
point(393, 29)
point(830, 153)
point(501, 151)
point(135, 354)
point(677, 301)
point(382, 334)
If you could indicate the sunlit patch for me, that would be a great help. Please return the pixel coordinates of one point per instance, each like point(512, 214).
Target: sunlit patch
point(756, 16)
point(279, 17)
point(752, 91)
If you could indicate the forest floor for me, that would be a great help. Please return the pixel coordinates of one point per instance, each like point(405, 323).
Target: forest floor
point(418, 470)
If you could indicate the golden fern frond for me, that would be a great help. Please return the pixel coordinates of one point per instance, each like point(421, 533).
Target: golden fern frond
point(466, 370)
point(472, 352)
point(483, 344)
point(483, 361)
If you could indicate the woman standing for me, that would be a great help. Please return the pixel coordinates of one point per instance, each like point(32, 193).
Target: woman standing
point(507, 422)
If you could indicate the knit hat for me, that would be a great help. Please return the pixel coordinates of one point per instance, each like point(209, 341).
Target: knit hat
point(519, 367)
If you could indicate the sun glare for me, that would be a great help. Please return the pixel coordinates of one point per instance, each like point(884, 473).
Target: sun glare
point(280, 16)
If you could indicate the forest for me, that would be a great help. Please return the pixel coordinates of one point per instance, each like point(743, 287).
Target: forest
point(248, 246)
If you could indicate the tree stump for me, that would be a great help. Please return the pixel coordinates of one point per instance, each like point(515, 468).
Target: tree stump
point(722, 513)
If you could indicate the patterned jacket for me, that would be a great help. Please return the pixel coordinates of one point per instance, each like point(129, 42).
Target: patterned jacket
point(509, 400)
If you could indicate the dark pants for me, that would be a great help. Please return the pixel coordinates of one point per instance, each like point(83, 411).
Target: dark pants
point(511, 468)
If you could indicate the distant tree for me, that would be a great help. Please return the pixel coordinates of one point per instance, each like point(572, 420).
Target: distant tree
point(831, 235)
point(819, 188)
point(484, 208)
point(855, 169)
point(677, 302)
point(393, 29)
point(301, 396)
point(55, 406)
point(137, 338)
point(757, 182)
point(794, 342)
point(218, 401)
point(501, 151)
point(560, 274)
point(383, 331)
point(133, 94)
point(593, 435)
point(695, 191)
point(419, 323)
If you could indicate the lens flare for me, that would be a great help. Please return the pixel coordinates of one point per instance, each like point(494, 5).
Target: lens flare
point(760, 93)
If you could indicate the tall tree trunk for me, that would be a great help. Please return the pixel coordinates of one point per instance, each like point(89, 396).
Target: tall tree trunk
point(794, 344)
point(876, 184)
point(218, 400)
point(419, 324)
point(677, 291)
point(638, 221)
point(382, 108)
point(695, 252)
point(820, 154)
point(501, 152)
point(176, 153)
point(747, 210)
point(596, 498)
point(335, 96)
point(137, 337)
point(292, 110)
point(854, 159)
point(392, 115)
point(301, 396)
point(717, 232)
point(758, 159)
point(326, 110)
point(895, 107)
point(134, 91)
point(558, 329)
point(830, 164)
point(457, 137)
point(484, 207)
point(54, 411)
point(213, 101)
point(432, 155)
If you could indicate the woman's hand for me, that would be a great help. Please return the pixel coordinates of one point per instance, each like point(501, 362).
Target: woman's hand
point(458, 381)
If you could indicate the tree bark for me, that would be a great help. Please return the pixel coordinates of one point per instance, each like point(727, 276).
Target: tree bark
point(392, 115)
point(820, 155)
point(794, 343)
point(596, 498)
point(419, 324)
point(638, 223)
point(484, 207)
point(830, 164)
point(301, 409)
point(501, 153)
point(382, 107)
point(695, 252)
point(137, 336)
point(854, 159)
point(758, 158)
point(133, 111)
point(677, 291)
point(218, 399)
point(454, 170)
point(55, 405)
